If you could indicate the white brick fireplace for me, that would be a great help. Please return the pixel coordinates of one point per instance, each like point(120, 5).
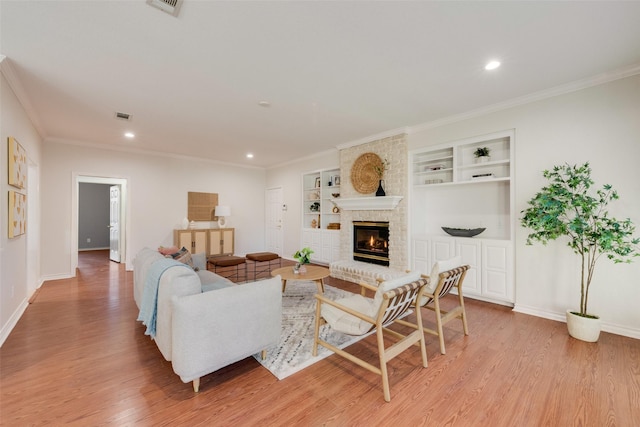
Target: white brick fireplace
point(394, 150)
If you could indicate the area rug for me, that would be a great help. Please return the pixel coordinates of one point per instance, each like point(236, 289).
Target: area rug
point(294, 349)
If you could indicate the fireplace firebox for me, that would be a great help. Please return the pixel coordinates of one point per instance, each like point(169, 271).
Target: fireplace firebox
point(371, 242)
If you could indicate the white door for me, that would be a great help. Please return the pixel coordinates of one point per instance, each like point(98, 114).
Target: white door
point(273, 217)
point(114, 223)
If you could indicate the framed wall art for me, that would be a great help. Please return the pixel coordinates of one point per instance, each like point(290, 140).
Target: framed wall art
point(17, 164)
point(17, 214)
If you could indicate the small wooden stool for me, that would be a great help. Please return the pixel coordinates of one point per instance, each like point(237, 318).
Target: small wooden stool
point(222, 264)
point(259, 258)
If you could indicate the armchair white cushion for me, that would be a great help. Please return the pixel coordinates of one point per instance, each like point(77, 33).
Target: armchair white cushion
point(439, 267)
point(352, 325)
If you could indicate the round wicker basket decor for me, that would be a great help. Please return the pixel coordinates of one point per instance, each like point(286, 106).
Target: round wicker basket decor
point(364, 177)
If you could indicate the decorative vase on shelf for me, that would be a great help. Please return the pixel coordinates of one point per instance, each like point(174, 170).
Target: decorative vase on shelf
point(380, 190)
point(185, 223)
point(483, 159)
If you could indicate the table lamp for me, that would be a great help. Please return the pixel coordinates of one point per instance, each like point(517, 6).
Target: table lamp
point(221, 213)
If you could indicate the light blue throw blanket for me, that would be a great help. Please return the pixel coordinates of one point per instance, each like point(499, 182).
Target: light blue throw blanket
point(149, 304)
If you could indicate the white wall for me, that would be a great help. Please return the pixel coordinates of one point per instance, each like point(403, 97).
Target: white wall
point(289, 177)
point(600, 124)
point(157, 188)
point(16, 268)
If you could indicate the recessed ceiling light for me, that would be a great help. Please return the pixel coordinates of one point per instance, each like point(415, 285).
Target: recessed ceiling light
point(249, 156)
point(129, 135)
point(265, 104)
point(492, 65)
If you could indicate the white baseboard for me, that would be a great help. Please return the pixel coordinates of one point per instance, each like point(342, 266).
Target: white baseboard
point(561, 317)
point(13, 320)
point(56, 277)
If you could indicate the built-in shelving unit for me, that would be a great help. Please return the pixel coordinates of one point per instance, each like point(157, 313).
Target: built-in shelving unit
point(457, 164)
point(319, 188)
point(453, 188)
point(320, 215)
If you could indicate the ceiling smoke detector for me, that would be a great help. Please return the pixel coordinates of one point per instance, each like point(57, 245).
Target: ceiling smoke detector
point(123, 116)
point(172, 7)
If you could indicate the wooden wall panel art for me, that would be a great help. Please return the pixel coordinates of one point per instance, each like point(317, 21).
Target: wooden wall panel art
point(202, 206)
point(17, 164)
point(17, 214)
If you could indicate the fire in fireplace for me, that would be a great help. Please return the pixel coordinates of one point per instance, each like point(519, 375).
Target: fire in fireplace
point(371, 242)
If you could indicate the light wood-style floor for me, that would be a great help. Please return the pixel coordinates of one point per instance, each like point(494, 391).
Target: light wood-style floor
point(78, 357)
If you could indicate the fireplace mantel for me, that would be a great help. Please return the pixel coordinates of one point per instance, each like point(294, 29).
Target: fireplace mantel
point(382, 203)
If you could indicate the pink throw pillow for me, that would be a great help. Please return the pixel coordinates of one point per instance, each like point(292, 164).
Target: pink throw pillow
point(168, 251)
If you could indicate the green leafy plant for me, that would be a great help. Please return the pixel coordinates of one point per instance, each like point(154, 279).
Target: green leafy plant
point(303, 256)
point(481, 152)
point(568, 207)
point(380, 168)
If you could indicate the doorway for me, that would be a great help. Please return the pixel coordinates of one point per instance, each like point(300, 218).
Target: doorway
point(273, 216)
point(117, 235)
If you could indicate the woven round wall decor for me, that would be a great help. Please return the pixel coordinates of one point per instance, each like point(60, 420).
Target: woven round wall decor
point(364, 177)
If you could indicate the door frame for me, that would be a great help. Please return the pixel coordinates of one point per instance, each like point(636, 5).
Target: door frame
point(124, 218)
point(281, 213)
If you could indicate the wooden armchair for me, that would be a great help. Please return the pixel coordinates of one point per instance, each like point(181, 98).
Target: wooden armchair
point(441, 284)
point(358, 315)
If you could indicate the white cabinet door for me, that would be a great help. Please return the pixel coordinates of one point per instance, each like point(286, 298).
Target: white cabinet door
point(441, 248)
point(470, 250)
point(312, 238)
point(335, 244)
point(497, 271)
point(490, 276)
point(421, 255)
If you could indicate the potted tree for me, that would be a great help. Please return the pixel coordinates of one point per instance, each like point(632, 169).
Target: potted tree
point(568, 207)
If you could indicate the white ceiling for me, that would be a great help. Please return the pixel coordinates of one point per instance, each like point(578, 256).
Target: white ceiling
point(333, 71)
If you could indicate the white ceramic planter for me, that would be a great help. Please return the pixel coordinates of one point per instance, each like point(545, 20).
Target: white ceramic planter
point(583, 328)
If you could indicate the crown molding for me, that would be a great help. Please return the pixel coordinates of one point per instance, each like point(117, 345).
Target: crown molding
point(144, 152)
point(301, 159)
point(577, 85)
point(18, 89)
point(371, 138)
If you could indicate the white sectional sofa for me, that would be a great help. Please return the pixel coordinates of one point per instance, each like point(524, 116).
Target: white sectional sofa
point(204, 321)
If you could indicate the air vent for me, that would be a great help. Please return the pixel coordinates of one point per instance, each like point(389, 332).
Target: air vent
point(123, 116)
point(172, 7)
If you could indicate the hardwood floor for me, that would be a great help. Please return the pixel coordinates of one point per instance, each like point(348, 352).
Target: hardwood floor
point(79, 357)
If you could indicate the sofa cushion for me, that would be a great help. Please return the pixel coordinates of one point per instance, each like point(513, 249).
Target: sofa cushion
point(183, 256)
point(199, 261)
point(211, 281)
point(168, 250)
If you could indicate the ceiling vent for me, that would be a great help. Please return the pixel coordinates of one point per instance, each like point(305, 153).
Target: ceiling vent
point(123, 116)
point(172, 7)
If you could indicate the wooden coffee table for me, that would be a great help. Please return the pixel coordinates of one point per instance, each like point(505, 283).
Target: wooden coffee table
point(314, 273)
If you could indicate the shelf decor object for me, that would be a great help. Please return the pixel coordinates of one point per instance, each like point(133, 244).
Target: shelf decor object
point(463, 232)
point(482, 154)
point(364, 173)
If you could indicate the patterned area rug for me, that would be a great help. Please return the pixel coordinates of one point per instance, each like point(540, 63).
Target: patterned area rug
point(298, 322)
